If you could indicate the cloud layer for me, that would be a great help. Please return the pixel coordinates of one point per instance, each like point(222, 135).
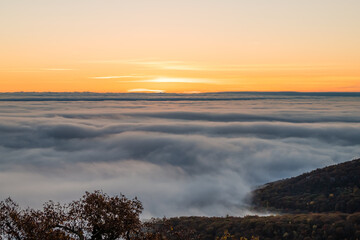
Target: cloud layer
point(178, 157)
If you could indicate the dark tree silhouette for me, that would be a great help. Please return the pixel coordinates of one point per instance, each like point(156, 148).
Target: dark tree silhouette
point(95, 216)
point(26, 224)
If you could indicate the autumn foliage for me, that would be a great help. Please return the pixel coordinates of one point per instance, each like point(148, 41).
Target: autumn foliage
point(95, 216)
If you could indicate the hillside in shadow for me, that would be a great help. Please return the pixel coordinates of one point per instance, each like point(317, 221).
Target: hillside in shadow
point(331, 189)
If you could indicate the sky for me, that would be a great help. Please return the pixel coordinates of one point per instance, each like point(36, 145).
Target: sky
point(179, 46)
point(179, 156)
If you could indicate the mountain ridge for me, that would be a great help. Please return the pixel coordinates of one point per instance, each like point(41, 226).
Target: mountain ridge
point(335, 188)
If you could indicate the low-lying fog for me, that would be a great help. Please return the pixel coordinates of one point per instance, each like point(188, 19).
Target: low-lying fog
point(179, 156)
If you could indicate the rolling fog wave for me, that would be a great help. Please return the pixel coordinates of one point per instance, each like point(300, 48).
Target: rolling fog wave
point(180, 157)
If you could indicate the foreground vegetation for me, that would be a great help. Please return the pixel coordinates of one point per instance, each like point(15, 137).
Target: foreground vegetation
point(291, 226)
point(95, 216)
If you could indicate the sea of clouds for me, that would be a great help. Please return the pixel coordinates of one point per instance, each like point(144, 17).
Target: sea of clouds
point(180, 155)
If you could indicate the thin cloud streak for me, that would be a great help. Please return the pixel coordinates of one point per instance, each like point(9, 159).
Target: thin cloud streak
point(198, 66)
point(37, 70)
point(174, 80)
point(117, 77)
point(59, 69)
point(145, 90)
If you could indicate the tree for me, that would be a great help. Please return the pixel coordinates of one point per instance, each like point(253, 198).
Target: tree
point(26, 224)
point(96, 216)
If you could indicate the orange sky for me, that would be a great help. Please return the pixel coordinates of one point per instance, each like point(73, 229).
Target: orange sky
point(179, 46)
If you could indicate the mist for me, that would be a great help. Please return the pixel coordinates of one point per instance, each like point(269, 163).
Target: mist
point(181, 155)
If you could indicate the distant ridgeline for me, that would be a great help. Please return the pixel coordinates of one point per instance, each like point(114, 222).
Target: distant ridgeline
point(331, 189)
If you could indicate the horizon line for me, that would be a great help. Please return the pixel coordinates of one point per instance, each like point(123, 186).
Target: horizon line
point(188, 92)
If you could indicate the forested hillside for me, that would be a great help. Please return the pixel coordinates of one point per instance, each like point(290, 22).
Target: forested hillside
point(330, 189)
point(291, 226)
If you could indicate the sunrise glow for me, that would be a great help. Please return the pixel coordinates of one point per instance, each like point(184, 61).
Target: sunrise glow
point(219, 46)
